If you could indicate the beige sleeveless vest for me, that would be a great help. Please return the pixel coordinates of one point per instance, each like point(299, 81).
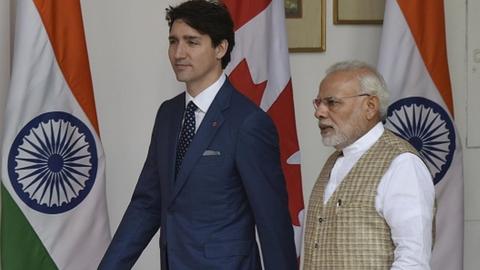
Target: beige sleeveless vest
point(347, 233)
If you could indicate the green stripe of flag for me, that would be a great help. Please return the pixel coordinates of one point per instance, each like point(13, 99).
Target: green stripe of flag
point(21, 249)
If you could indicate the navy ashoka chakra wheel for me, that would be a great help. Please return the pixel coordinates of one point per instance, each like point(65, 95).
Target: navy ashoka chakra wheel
point(428, 127)
point(53, 162)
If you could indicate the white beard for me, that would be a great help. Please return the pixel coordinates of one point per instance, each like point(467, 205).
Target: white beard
point(348, 134)
point(335, 139)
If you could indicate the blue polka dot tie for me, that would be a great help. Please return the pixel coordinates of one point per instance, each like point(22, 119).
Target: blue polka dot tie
point(186, 135)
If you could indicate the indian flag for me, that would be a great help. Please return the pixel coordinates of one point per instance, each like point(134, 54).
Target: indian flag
point(413, 60)
point(54, 212)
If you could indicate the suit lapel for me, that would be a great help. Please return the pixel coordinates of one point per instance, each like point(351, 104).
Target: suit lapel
point(176, 125)
point(211, 123)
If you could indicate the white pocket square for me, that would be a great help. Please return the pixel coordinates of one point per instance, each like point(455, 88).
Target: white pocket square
point(211, 153)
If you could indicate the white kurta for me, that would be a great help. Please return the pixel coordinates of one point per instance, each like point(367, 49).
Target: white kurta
point(405, 199)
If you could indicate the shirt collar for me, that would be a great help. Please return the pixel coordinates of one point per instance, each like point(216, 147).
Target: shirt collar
point(364, 143)
point(205, 98)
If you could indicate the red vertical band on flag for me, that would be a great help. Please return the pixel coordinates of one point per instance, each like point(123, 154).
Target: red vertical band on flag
point(242, 79)
point(266, 60)
point(283, 115)
point(427, 23)
point(64, 25)
point(243, 11)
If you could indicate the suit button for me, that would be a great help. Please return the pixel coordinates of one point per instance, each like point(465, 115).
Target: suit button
point(316, 245)
point(321, 220)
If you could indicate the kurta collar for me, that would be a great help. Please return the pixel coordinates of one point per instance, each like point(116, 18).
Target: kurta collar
point(365, 142)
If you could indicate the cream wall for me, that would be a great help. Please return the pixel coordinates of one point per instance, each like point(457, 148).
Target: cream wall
point(127, 42)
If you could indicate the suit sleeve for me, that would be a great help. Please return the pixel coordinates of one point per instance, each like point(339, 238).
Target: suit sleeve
point(142, 217)
point(258, 162)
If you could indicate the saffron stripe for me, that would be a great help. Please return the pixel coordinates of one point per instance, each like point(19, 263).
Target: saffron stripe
point(427, 24)
point(64, 25)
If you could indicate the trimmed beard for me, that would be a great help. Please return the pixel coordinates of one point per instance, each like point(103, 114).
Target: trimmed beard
point(351, 131)
point(336, 139)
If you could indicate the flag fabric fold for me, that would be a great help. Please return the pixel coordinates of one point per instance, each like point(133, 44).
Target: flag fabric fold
point(54, 212)
point(413, 60)
point(260, 69)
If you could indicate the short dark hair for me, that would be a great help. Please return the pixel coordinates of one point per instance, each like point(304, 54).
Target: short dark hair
point(207, 17)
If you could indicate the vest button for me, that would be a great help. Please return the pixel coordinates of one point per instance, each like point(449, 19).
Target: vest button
point(316, 245)
point(321, 220)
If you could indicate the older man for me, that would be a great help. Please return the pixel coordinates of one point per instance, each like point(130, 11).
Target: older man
point(372, 206)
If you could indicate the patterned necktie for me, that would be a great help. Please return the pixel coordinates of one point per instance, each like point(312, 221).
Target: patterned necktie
point(186, 136)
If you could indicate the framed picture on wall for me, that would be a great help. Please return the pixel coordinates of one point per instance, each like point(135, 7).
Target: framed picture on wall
point(305, 22)
point(358, 11)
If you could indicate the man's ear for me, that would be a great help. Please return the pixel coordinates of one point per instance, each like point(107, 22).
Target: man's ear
point(221, 49)
point(373, 107)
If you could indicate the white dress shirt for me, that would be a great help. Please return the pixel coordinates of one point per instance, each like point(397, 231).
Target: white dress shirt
point(405, 199)
point(205, 99)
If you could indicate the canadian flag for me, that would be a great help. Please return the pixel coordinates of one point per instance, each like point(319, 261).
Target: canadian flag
point(260, 69)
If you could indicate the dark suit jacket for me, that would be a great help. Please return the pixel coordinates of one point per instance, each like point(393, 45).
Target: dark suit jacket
point(230, 181)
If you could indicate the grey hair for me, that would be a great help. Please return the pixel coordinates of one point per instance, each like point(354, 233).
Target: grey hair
point(370, 80)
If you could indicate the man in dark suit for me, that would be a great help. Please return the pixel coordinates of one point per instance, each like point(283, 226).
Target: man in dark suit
point(213, 168)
